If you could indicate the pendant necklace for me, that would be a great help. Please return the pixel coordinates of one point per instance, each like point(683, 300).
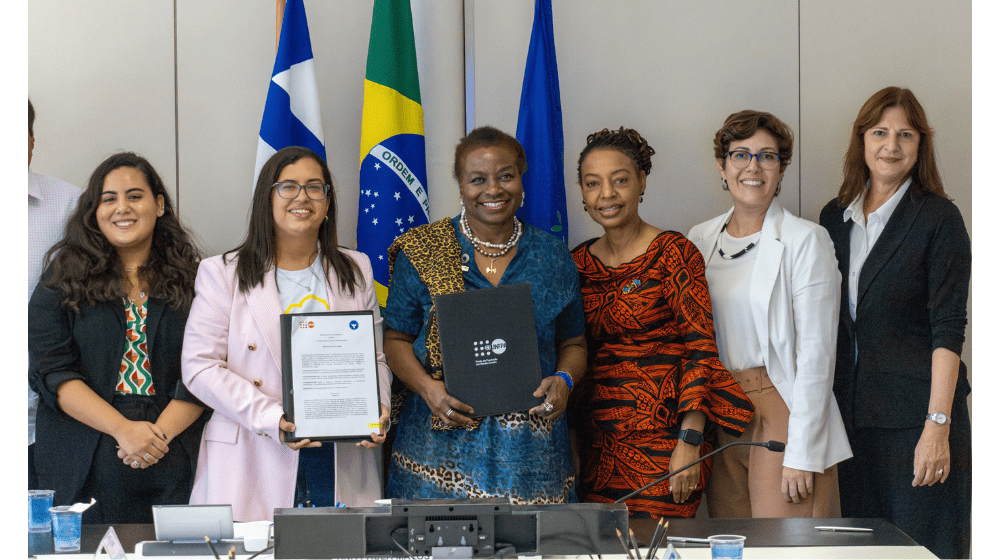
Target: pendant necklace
point(142, 294)
point(478, 244)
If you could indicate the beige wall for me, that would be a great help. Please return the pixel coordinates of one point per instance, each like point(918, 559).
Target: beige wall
point(102, 77)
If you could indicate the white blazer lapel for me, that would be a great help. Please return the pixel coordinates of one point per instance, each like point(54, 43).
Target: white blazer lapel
point(265, 305)
point(765, 273)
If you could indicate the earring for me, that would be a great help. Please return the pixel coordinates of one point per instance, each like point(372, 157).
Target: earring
point(327, 218)
point(777, 190)
point(640, 197)
point(725, 184)
point(524, 195)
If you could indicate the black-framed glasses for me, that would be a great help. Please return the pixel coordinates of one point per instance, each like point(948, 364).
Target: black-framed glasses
point(766, 160)
point(291, 189)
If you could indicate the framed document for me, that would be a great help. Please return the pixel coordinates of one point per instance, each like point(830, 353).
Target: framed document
point(329, 375)
point(489, 348)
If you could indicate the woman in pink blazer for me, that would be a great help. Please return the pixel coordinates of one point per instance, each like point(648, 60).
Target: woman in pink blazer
point(288, 261)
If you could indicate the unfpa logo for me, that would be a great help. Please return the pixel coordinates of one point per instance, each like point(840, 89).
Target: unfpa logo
point(306, 324)
point(483, 348)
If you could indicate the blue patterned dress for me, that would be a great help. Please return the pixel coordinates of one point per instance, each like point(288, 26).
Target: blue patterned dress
point(517, 456)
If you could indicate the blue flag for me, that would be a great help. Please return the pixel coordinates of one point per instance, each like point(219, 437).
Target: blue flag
point(291, 113)
point(539, 129)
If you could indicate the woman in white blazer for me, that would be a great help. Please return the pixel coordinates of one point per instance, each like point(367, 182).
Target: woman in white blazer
point(289, 261)
point(775, 291)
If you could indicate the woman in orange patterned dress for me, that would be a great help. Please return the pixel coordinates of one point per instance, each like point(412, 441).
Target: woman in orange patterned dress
point(654, 388)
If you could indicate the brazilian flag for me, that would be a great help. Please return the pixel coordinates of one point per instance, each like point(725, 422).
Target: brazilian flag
point(393, 195)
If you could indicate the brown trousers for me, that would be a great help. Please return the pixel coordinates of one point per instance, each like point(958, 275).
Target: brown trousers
point(746, 480)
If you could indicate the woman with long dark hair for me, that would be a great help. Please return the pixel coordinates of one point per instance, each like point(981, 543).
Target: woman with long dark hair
point(105, 327)
point(289, 261)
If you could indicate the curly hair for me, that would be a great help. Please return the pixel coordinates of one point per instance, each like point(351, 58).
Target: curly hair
point(487, 137)
point(259, 250)
point(627, 141)
point(746, 123)
point(856, 173)
point(86, 267)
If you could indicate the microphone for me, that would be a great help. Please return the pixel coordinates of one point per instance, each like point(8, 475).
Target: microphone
point(772, 445)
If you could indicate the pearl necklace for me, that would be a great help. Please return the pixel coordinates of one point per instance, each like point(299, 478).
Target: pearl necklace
point(478, 244)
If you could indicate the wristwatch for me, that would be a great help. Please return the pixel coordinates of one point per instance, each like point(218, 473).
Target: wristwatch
point(691, 437)
point(939, 418)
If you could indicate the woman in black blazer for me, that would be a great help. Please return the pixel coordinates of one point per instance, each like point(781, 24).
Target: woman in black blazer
point(905, 261)
point(105, 327)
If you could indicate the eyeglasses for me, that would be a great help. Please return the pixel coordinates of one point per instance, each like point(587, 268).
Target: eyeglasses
point(291, 189)
point(766, 160)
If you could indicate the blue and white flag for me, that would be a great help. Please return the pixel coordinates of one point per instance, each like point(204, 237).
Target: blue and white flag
point(539, 129)
point(291, 113)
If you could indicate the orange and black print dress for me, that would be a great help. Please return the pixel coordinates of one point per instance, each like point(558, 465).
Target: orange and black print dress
point(652, 357)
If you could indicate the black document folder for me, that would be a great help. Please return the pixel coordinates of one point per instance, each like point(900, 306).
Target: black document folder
point(489, 348)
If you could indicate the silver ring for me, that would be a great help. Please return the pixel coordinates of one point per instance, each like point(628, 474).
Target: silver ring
point(146, 457)
point(135, 464)
point(450, 412)
point(548, 406)
point(939, 472)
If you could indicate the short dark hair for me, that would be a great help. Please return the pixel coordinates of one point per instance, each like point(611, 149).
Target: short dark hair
point(486, 137)
point(31, 119)
point(856, 172)
point(258, 251)
point(627, 141)
point(744, 124)
point(86, 267)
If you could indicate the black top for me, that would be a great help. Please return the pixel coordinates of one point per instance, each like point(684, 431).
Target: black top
point(89, 345)
point(913, 291)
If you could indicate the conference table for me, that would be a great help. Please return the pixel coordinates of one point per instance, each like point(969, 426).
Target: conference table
point(765, 538)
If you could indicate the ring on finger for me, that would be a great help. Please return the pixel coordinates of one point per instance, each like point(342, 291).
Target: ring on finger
point(547, 406)
point(146, 457)
point(450, 412)
point(939, 472)
point(135, 464)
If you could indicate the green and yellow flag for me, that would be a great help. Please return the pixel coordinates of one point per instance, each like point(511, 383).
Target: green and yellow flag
point(393, 167)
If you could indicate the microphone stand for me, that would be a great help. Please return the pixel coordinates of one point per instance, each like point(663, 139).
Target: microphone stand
point(771, 445)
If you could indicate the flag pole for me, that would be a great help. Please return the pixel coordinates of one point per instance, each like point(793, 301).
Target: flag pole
point(279, 13)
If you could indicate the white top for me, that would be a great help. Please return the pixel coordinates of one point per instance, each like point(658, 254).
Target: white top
point(729, 287)
point(864, 236)
point(51, 201)
point(303, 291)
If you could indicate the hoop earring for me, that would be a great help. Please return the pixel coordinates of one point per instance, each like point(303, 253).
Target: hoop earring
point(725, 184)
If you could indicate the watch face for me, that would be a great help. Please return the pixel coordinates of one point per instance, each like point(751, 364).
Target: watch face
point(938, 417)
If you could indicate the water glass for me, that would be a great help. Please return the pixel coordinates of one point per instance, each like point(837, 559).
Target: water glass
point(727, 546)
point(65, 529)
point(39, 502)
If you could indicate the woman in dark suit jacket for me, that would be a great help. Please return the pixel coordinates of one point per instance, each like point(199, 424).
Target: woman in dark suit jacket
point(905, 259)
point(105, 327)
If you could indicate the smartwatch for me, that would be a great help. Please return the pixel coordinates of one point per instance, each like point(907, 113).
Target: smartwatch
point(939, 418)
point(691, 437)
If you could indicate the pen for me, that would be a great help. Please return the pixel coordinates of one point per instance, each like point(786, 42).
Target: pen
point(624, 544)
point(847, 529)
point(688, 539)
point(631, 536)
point(210, 545)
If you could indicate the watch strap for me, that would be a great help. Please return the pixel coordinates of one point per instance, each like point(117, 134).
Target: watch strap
point(691, 437)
